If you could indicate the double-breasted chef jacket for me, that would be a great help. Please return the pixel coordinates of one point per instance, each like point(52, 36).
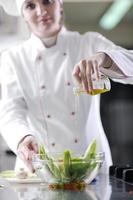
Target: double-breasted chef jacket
point(37, 92)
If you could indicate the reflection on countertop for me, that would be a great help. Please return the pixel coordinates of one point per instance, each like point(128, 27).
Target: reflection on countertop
point(104, 188)
point(98, 190)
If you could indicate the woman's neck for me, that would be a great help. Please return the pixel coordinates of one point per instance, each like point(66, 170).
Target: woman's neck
point(49, 41)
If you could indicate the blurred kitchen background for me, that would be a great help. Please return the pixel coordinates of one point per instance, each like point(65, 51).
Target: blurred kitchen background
point(114, 19)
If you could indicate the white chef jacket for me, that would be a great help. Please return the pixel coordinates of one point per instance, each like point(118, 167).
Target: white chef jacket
point(37, 92)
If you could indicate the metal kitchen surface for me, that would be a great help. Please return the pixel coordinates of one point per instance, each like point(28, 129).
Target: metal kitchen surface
point(104, 188)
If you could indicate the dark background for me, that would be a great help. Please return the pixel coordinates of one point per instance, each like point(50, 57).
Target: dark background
point(117, 118)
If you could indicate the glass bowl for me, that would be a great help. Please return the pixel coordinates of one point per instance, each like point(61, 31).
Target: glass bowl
point(63, 169)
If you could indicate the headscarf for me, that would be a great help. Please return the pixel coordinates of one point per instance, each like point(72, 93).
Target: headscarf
point(14, 7)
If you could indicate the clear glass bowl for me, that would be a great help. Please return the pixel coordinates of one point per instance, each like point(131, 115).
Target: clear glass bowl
point(57, 169)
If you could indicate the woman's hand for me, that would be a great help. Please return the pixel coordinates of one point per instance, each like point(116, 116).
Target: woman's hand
point(26, 149)
point(88, 69)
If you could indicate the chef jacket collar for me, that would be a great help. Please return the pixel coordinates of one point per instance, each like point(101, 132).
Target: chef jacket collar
point(40, 48)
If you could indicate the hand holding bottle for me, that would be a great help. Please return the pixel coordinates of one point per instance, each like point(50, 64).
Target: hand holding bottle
point(88, 75)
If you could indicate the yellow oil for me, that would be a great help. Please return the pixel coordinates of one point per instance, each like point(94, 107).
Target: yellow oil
point(98, 91)
point(93, 92)
point(99, 87)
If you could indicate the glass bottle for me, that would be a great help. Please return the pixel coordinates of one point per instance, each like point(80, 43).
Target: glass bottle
point(99, 86)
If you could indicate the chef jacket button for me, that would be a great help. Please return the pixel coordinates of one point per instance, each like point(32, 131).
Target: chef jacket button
point(53, 144)
point(68, 83)
point(76, 141)
point(39, 57)
point(72, 113)
point(43, 87)
point(48, 116)
point(64, 54)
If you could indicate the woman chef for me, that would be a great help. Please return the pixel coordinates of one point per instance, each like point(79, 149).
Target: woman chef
point(37, 80)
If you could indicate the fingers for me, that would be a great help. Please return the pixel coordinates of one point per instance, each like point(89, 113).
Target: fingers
point(26, 155)
point(83, 74)
point(35, 146)
point(95, 70)
point(76, 74)
point(26, 149)
point(86, 71)
point(89, 71)
point(27, 162)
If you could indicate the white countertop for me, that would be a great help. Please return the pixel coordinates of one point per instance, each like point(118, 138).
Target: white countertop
point(100, 190)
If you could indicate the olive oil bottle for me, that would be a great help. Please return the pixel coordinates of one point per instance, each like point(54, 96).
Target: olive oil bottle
point(99, 86)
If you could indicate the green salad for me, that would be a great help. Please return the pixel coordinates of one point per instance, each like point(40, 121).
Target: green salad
point(69, 168)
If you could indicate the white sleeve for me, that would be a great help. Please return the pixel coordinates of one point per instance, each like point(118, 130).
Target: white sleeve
point(123, 58)
point(13, 109)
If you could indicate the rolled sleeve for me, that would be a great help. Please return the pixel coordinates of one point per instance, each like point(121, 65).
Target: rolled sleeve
point(122, 57)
